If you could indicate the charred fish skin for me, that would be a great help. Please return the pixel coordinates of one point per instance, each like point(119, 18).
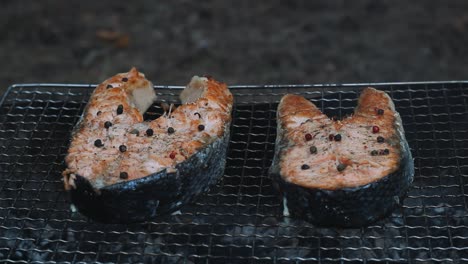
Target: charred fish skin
point(157, 194)
point(348, 207)
point(341, 205)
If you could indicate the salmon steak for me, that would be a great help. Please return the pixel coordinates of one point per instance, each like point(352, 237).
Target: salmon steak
point(343, 173)
point(121, 168)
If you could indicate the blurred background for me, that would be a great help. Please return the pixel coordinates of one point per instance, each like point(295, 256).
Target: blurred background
point(243, 42)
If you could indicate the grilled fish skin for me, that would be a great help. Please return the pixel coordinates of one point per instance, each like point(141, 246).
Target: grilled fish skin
point(346, 173)
point(121, 169)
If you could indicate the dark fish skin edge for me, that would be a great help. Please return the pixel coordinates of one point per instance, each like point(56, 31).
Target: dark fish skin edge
point(156, 194)
point(347, 207)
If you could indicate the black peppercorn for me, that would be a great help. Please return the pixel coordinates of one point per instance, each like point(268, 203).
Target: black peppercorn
point(313, 150)
point(124, 79)
point(374, 153)
point(122, 148)
point(384, 152)
point(149, 132)
point(337, 137)
point(123, 175)
point(305, 167)
point(98, 113)
point(98, 143)
point(119, 109)
point(341, 167)
point(380, 139)
point(170, 130)
point(201, 127)
point(380, 111)
point(109, 86)
point(107, 124)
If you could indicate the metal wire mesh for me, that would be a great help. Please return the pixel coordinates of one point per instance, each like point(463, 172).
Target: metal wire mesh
point(239, 220)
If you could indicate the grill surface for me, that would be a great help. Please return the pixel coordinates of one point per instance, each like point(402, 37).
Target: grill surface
point(239, 220)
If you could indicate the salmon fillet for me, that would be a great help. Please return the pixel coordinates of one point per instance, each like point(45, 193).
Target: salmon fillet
point(338, 166)
point(113, 152)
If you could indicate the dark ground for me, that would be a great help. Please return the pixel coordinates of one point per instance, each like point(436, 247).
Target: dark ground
point(244, 43)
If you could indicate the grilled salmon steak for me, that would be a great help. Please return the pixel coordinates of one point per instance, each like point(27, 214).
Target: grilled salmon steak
point(345, 173)
point(121, 168)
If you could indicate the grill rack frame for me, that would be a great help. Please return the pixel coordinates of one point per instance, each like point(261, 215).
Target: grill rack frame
point(432, 226)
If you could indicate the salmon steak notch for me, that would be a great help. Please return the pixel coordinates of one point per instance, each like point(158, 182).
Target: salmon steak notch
point(341, 173)
point(121, 168)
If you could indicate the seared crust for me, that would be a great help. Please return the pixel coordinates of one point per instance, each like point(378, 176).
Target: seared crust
point(371, 99)
point(292, 105)
point(293, 108)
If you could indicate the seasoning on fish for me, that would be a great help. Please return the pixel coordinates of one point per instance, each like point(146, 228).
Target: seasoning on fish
point(123, 175)
point(135, 132)
point(201, 127)
point(109, 86)
point(149, 132)
point(122, 148)
point(107, 124)
point(120, 109)
point(345, 185)
point(341, 167)
point(313, 150)
point(308, 137)
point(159, 172)
point(375, 129)
point(337, 137)
point(384, 152)
point(98, 143)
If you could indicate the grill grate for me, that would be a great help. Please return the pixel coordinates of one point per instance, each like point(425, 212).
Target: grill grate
point(239, 220)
